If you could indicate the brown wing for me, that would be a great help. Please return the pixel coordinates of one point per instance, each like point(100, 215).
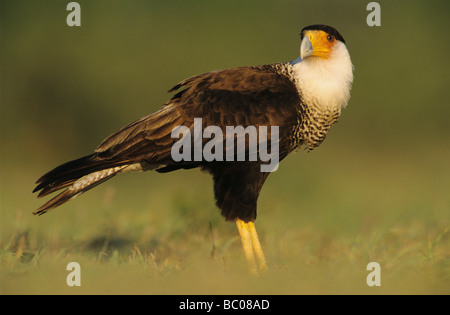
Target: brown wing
point(245, 96)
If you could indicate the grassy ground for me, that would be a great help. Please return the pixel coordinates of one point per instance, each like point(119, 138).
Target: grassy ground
point(320, 226)
point(375, 191)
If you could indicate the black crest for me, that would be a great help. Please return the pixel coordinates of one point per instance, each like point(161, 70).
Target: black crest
point(327, 29)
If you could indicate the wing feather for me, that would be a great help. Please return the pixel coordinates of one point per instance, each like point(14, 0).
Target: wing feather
point(245, 96)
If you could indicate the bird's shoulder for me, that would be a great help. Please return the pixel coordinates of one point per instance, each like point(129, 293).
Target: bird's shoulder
point(246, 92)
point(247, 80)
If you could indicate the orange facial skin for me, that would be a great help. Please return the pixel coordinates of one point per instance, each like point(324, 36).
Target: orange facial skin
point(322, 43)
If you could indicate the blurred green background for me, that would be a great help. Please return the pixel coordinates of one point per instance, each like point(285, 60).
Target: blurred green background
point(376, 190)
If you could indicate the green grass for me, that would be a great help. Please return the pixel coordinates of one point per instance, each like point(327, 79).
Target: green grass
point(376, 190)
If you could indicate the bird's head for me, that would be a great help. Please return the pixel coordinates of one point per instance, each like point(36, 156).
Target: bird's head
point(319, 41)
point(324, 70)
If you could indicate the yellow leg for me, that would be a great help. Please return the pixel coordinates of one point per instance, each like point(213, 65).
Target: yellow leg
point(251, 245)
point(257, 247)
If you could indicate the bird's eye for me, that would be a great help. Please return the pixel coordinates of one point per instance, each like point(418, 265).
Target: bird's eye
point(330, 38)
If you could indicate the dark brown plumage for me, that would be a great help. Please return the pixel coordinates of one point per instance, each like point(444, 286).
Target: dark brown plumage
point(246, 96)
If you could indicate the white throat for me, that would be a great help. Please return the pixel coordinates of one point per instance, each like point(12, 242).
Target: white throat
point(325, 83)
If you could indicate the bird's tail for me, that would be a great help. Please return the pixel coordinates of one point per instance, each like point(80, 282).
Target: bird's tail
point(78, 175)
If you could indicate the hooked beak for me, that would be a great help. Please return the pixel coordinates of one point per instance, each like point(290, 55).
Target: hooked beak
point(306, 48)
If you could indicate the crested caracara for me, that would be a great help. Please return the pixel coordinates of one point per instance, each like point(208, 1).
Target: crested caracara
point(302, 99)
